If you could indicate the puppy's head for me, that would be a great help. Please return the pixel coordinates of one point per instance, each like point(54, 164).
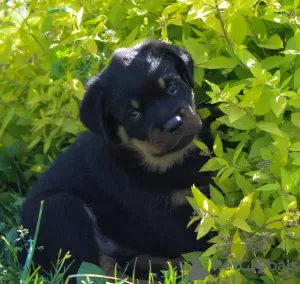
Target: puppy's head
point(144, 100)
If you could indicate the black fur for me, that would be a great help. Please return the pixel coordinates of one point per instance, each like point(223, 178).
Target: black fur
point(99, 199)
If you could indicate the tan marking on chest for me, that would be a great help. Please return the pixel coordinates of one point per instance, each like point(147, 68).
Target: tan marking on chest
point(178, 197)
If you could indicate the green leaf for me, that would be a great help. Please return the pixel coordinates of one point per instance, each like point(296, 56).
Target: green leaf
point(234, 91)
point(295, 147)
point(243, 183)
point(275, 222)
point(216, 196)
point(218, 147)
point(268, 273)
point(37, 168)
point(33, 142)
point(278, 205)
point(279, 104)
point(272, 62)
point(270, 128)
point(268, 187)
point(8, 117)
point(257, 145)
point(238, 247)
point(204, 112)
point(257, 214)
point(6, 198)
point(286, 81)
point(221, 171)
point(275, 254)
point(243, 123)
point(275, 79)
point(251, 96)
point(244, 206)
point(227, 173)
point(247, 3)
point(296, 78)
point(281, 141)
point(246, 57)
point(89, 268)
point(204, 203)
point(295, 118)
point(213, 86)
point(273, 42)
point(92, 46)
point(286, 181)
point(170, 9)
point(233, 112)
point(219, 63)
point(296, 160)
point(78, 88)
point(213, 164)
point(252, 63)
point(287, 201)
point(193, 219)
point(265, 154)
point(237, 151)
point(47, 145)
point(290, 52)
point(198, 75)
point(237, 28)
point(200, 145)
point(211, 250)
point(99, 27)
point(55, 10)
point(227, 213)
point(263, 105)
point(207, 222)
point(196, 49)
point(295, 102)
point(79, 16)
point(241, 224)
point(295, 178)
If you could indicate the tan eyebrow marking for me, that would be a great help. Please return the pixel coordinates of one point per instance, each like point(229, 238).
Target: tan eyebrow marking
point(135, 104)
point(161, 83)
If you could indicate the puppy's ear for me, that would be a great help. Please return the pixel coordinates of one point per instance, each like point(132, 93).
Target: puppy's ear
point(92, 111)
point(185, 62)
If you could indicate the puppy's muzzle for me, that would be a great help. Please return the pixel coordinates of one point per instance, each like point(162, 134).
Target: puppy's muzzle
point(184, 122)
point(177, 132)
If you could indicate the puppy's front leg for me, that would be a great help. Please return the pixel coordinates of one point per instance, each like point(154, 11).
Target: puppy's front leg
point(142, 263)
point(108, 264)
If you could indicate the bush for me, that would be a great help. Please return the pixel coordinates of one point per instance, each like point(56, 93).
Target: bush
point(246, 64)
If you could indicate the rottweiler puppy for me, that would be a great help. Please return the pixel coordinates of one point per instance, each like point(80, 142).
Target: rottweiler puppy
point(119, 192)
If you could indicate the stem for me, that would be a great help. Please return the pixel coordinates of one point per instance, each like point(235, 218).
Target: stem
point(248, 114)
point(32, 247)
point(29, 33)
point(264, 226)
point(225, 33)
point(223, 25)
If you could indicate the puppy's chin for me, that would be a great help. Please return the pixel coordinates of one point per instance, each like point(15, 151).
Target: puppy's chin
point(180, 144)
point(155, 159)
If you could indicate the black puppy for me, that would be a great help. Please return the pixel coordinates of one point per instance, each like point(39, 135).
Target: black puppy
point(119, 191)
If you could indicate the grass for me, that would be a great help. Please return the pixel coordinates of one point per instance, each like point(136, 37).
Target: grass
point(11, 272)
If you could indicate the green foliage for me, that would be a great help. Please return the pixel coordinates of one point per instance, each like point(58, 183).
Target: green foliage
point(247, 64)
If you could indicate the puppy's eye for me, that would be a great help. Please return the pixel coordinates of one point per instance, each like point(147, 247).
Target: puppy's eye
point(172, 88)
point(134, 115)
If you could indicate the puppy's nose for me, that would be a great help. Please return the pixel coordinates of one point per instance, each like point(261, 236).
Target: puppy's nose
point(174, 125)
